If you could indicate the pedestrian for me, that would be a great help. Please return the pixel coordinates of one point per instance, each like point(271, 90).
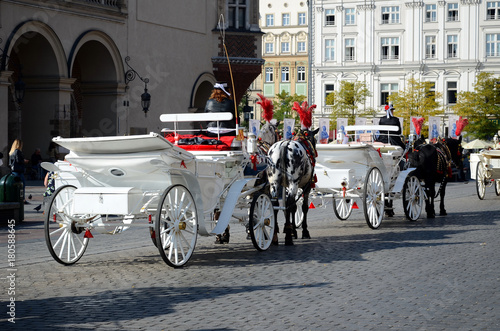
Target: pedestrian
point(36, 160)
point(53, 153)
point(17, 162)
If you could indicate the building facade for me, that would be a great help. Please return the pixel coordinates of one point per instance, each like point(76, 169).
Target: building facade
point(285, 46)
point(79, 68)
point(385, 42)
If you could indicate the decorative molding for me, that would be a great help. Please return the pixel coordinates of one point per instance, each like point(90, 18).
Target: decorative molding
point(418, 4)
point(470, 2)
point(365, 7)
point(340, 8)
point(442, 3)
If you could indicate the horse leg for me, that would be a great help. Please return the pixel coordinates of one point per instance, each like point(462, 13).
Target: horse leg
point(293, 212)
point(305, 209)
point(429, 205)
point(442, 211)
point(288, 230)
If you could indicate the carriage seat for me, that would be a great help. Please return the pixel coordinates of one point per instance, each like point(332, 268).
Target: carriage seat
point(191, 142)
point(392, 150)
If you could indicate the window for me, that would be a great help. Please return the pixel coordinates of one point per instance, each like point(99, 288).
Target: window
point(301, 74)
point(349, 16)
point(386, 90)
point(236, 10)
point(269, 75)
point(451, 91)
point(269, 48)
point(329, 88)
point(301, 47)
point(390, 15)
point(349, 49)
point(430, 13)
point(270, 20)
point(302, 19)
point(390, 48)
point(452, 46)
point(285, 74)
point(431, 91)
point(430, 47)
point(493, 10)
point(329, 49)
point(453, 12)
point(285, 19)
point(285, 47)
point(330, 17)
point(493, 44)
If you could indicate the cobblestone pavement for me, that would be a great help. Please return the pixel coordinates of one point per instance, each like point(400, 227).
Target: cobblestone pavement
point(437, 274)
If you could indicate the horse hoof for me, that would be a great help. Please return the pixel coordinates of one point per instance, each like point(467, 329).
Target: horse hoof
point(306, 235)
point(295, 236)
point(274, 243)
point(288, 243)
point(443, 213)
point(431, 216)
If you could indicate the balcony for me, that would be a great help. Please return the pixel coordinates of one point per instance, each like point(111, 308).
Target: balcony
point(112, 4)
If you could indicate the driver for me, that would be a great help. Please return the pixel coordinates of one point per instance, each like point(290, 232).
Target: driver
point(390, 137)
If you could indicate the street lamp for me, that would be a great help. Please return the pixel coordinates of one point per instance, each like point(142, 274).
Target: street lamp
point(145, 97)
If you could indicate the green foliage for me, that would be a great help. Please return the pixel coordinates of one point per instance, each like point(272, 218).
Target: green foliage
point(418, 99)
point(481, 106)
point(283, 104)
point(346, 100)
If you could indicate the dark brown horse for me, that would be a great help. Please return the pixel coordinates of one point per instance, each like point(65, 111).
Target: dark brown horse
point(433, 162)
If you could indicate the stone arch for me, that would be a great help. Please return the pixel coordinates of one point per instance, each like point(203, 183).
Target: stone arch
point(202, 88)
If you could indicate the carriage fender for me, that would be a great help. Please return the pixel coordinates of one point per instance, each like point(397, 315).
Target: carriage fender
point(400, 181)
point(227, 210)
point(188, 179)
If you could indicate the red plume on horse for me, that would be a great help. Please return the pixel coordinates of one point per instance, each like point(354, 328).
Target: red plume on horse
point(305, 113)
point(267, 108)
point(461, 124)
point(417, 123)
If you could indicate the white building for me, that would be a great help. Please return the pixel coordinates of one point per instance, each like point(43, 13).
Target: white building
point(386, 42)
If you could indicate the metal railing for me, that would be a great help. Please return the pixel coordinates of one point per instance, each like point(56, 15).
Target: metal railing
point(105, 3)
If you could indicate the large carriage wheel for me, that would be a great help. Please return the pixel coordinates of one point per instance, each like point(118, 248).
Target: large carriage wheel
point(413, 198)
point(299, 213)
point(374, 197)
point(497, 187)
point(176, 226)
point(342, 208)
point(480, 180)
point(66, 241)
point(261, 222)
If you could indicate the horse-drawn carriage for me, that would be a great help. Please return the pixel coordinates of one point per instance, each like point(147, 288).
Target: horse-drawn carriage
point(485, 169)
point(375, 173)
point(109, 184)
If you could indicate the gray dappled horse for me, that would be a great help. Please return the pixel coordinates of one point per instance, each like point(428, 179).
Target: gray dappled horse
point(292, 167)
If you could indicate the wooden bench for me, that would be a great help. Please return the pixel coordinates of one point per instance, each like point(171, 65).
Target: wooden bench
point(10, 210)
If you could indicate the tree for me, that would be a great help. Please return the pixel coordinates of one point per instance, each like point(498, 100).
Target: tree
point(346, 100)
point(283, 105)
point(418, 99)
point(481, 106)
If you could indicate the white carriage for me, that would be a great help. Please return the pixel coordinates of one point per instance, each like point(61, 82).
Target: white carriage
point(485, 169)
point(368, 171)
point(109, 184)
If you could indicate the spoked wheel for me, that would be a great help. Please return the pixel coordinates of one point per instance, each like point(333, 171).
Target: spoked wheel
point(342, 208)
point(176, 226)
point(480, 181)
point(497, 187)
point(413, 198)
point(65, 240)
point(261, 222)
point(374, 197)
point(299, 214)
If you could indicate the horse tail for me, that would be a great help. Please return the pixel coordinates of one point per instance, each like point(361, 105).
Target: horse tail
point(284, 162)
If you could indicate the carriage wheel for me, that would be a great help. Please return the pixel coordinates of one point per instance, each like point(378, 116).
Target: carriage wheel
point(152, 234)
point(497, 187)
point(261, 222)
point(374, 198)
point(176, 226)
point(66, 241)
point(342, 208)
point(413, 198)
point(480, 178)
point(299, 214)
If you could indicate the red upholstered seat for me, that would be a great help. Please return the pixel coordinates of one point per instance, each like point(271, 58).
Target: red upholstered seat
point(224, 143)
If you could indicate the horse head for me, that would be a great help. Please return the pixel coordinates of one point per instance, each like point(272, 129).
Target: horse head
point(456, 150)
point(269, 133)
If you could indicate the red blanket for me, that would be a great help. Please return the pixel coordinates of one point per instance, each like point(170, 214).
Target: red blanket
point(191, 142)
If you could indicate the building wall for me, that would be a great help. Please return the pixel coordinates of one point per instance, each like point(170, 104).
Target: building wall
point(421, 34)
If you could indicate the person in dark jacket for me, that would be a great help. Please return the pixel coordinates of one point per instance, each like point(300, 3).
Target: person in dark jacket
point(220, 101)
point(390, 137)
point(17, 162)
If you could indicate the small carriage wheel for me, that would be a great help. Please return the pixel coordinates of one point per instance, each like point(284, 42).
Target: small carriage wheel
point(176, 226)
point(374, 197)
point(413, 198)
point(261, 222)
point(299, 214)
point(66, 241)
point(480, 178)
point(497, 187)
point(342, 207)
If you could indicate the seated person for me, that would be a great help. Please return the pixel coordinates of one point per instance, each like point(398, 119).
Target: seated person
point(220, 101)
point(390, 137)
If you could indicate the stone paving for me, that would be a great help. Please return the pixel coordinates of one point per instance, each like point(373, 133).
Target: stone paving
point(437, 274)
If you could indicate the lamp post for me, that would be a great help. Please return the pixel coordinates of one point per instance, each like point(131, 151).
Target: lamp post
point(145, 97)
